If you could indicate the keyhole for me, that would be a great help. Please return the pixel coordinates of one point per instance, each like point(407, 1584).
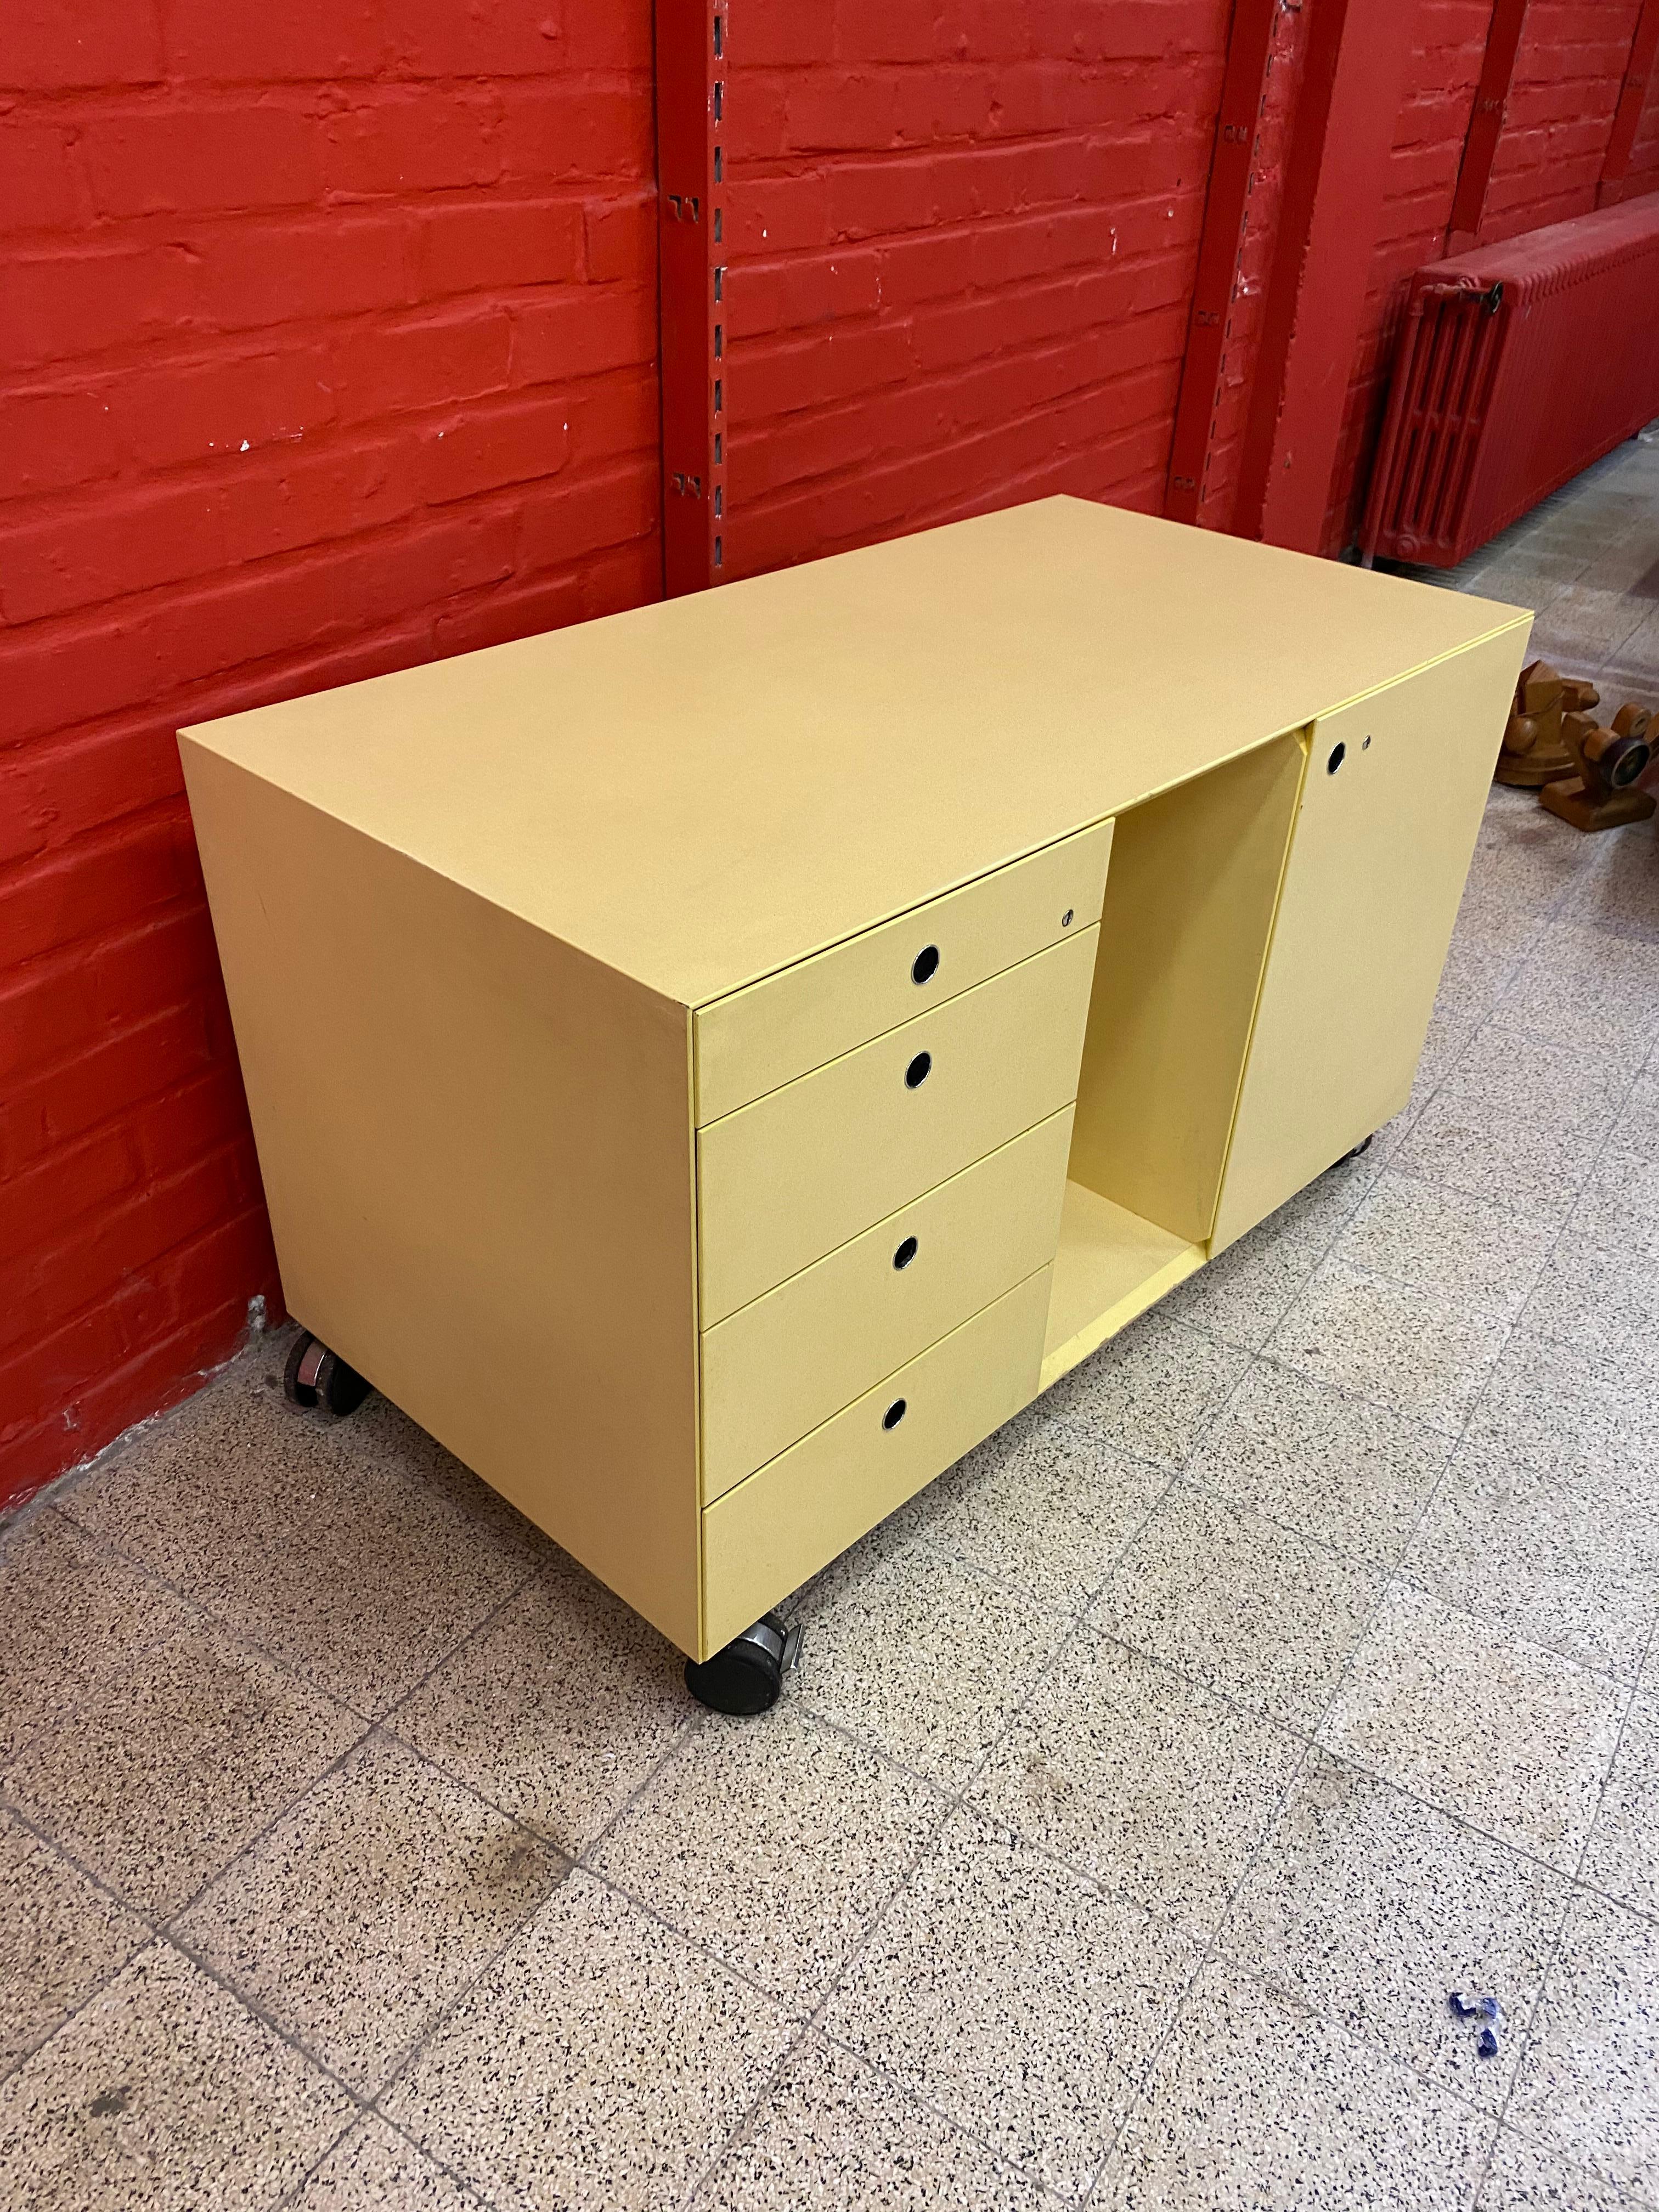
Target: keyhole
point(894, 1414)
point(917, 1071)
point(905, 1253)
point(925, 966)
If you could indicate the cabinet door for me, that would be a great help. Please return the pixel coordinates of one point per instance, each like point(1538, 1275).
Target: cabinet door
point(1391, 803)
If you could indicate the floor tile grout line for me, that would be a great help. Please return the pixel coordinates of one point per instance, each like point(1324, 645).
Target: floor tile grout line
point(1578, 1887)
point(679, 1746)
point(250, 1643)
point(1314, 1738)
point(49, 1843)
point(112, 1456)
point(1312, 1742)
point(808, 2026)
point(1396, 1578)
point(292, 2197)
point(206, 1616)
point(163, 1940)
point(956, 1801)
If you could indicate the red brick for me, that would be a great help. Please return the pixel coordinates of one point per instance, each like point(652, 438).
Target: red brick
point(279, 269)
point(51, 439)
point(56, 305)
point(397, 140)
point(65, 790)
point(171, 161)
point(561, 525)
point(165, 533)
point(40, 186)
point(579, 329)
point(102, 1082)
point(619, 414)
point(507, 441)
point(81, 891)
point(50, 45)
point(251, 505)
point(429, 360)
point(486, 38)
point(804, 289)
point(558, 128)
point(779, 215)
point(884, 30)
point(35, 1207)
point(620, 240)
point(178, 1126)
point(764, 37)
point(40, 1289)
point(618, 37)
point(500, 243)
point(623, 578)
point(301, 39)
point(524, 611)
point(190, 410)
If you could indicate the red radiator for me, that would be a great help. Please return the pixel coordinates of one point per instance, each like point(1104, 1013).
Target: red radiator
point(1518, 365)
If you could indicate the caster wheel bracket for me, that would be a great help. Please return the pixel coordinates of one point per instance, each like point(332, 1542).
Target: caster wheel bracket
point(745, 1677)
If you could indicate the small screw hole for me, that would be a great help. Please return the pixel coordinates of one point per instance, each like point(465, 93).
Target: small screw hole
point(905, 1253)
point(1366, 747)
point(917, 1071)
point(1065, 918)
point(925, 966)
point(894, 1414)
point(1338, 754)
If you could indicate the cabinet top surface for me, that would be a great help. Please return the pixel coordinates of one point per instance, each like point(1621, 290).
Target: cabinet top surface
point(703, 790)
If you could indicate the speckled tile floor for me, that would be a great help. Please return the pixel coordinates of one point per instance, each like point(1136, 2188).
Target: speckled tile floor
point(1142, 1791)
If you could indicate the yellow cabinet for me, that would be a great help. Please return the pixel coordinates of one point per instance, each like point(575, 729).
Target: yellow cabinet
point(772, 1532)
point(795, 1021)
point(785, 1180)
point(783, 1364)
point(991, 891)
point(1386, 822)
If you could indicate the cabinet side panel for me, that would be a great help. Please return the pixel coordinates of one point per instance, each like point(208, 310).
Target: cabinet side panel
point(477, 1150)
point(1382, 847)
point(1183, 935)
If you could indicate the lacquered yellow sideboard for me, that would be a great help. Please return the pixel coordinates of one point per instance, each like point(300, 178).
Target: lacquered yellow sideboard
point(713, 1065)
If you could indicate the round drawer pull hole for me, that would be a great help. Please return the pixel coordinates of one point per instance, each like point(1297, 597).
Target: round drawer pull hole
point(925, 966)
point(918, 1069)
point(894, 1414)
point(1338, 754)
point(905, 1253)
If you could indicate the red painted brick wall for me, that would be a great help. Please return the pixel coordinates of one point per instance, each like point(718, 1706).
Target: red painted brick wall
point(1279, 95)
point(1567, 77)
point(329, 332)
point(1642, 174)
point(962, 237)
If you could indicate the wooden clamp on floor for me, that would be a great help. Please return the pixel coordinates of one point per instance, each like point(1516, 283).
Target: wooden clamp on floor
point(1535, 749)
point(1603, 794)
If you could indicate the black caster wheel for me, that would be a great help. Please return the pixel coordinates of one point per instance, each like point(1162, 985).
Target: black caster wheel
point(747, 1676)
point(316, 1376)
point(1357, 1149)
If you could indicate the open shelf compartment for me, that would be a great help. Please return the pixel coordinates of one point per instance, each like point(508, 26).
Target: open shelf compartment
point(1190, 900)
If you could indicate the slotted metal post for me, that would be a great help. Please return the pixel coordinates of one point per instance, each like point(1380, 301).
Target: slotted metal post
point(691, 65)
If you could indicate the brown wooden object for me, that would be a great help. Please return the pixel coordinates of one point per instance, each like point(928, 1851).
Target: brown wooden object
point(1535, 750)
point(1603, 794)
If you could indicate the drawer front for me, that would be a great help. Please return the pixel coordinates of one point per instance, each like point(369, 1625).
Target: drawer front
point(795, 1021)
point(788, 1361)
point(768, 1535)
point(793, 1176)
